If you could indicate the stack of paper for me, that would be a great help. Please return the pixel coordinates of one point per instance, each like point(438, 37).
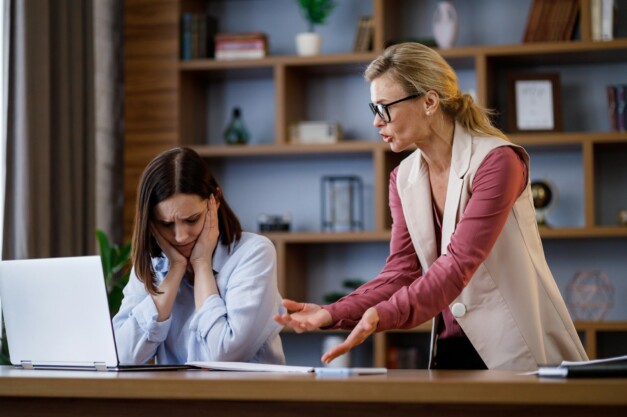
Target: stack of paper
point(599, 368)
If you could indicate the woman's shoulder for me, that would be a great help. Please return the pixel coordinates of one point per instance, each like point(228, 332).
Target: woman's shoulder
point(252, 241)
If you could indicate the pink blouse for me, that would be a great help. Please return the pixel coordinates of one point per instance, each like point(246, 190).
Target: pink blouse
point(402, 295)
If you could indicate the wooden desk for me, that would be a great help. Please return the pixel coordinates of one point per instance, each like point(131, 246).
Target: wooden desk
point(399, 393)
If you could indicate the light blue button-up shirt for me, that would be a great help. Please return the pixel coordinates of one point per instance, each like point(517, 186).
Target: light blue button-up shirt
point(234, 325)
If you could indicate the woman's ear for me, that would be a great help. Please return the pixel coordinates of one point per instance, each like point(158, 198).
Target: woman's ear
point(431, 102)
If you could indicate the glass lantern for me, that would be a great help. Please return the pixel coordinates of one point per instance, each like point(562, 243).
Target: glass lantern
point(342, 203)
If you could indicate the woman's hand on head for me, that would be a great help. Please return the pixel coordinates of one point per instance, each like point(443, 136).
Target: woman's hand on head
point(174, 256)
point(202, 253)
point(366, 326)
point(304, 317)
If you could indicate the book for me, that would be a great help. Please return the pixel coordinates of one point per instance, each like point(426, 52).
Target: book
point(197, 31)
point(621, 107)
point(598, 368)
point(551, 20)
point(595, 19)
point(363, 37)
point(611, 107)
point(608, 10)
point(261, 367)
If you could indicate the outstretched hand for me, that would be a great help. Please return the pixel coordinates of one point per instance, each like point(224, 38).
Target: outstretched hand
point(304, 317)
point(366, 326)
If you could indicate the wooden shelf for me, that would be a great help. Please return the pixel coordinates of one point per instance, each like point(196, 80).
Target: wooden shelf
point(567, 139)
point(167, 105)
point(584, 232)
point(289, 149)
point(324, 237)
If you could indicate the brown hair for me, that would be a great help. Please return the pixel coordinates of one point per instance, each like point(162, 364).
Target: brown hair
point(418, 69)
point(178, 170)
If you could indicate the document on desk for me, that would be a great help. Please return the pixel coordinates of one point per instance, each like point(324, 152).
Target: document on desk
point(261, 367)
point(599, 368)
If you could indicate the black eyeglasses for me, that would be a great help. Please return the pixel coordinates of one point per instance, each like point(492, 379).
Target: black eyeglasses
point(382, 111)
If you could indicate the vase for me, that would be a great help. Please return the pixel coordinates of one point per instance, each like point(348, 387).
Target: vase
point(329, 342)
point(445, 25)
point(308, 43)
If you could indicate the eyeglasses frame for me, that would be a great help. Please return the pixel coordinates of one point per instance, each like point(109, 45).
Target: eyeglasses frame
point(377, 109)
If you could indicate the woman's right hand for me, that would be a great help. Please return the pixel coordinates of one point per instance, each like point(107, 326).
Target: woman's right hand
point(304, 317)
point(175, 257)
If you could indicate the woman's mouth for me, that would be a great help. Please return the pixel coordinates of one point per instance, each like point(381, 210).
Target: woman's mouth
point(387, 139)
point(185, 248)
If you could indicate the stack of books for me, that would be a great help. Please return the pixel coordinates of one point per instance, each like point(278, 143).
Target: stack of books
point(617, 107)
point(551, 20)
point(197, 32)
point(241, 46)
point(603, 19)
point(364, 35)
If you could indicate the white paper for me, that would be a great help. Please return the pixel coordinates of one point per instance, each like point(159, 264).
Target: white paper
point(605, 360)
point(260, 367)
point(250, 367)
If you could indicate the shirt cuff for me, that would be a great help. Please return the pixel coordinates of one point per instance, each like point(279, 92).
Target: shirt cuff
point(387, 316)
point(146, 314)
point(211, 310)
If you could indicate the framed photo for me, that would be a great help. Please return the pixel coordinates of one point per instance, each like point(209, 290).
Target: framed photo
point(534, 102)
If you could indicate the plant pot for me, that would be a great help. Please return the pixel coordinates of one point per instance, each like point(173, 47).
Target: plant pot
point(308, 43)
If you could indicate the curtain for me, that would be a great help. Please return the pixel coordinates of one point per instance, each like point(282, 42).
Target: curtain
point(49, 207)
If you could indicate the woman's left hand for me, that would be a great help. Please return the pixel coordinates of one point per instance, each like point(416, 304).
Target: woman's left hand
point(366, 326)
point(202, 252)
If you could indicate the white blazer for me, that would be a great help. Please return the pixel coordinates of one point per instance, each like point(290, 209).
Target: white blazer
point(511, 310)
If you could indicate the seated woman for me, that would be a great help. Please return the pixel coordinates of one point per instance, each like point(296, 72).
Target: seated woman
point(200, 288)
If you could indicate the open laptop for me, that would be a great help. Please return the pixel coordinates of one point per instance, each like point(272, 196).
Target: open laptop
point(57, 315)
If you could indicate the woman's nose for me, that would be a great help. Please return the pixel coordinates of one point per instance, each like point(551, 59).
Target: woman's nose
point(180, 234)
point(377, 122)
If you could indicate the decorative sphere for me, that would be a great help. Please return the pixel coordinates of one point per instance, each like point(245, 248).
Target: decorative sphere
point(589, 295)
point(541, 193)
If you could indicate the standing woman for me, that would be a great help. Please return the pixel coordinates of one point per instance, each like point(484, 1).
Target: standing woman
point(200, 288)
point(465, 247)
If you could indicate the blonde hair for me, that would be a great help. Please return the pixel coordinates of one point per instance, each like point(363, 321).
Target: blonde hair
point(419, 69)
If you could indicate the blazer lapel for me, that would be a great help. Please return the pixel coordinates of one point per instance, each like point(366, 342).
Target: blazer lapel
point(416, 198)
point(460, 162)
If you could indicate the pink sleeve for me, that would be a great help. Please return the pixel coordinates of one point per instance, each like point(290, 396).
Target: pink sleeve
point(401, 269)
point(498, 182)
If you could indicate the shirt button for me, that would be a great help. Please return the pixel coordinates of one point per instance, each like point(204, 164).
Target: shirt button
point(458, 310)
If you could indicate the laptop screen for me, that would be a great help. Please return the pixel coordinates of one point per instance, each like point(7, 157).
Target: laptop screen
point(56, 312)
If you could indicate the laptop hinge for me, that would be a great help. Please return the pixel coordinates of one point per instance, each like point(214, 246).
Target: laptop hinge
point(27, 365)
point(100, 366)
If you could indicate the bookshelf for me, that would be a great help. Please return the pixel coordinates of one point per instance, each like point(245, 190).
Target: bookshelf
point(172, 102)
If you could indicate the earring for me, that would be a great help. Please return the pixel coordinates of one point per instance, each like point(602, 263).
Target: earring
point(428, 113)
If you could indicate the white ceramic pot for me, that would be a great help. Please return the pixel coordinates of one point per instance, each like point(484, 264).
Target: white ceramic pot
point(445, 25)
point(308, 43)
point(332, 341)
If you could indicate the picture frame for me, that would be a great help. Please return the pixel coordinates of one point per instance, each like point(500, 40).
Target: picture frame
point(534, 102)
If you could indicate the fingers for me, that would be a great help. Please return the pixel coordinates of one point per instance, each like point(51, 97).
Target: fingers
point(366, 326)
point(299, 326)
point(293, 305)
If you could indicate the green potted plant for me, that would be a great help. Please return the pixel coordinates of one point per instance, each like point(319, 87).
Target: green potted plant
point(116, 265)
point(316, 13)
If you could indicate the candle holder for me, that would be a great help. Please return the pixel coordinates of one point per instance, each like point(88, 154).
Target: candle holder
point(342, 203)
